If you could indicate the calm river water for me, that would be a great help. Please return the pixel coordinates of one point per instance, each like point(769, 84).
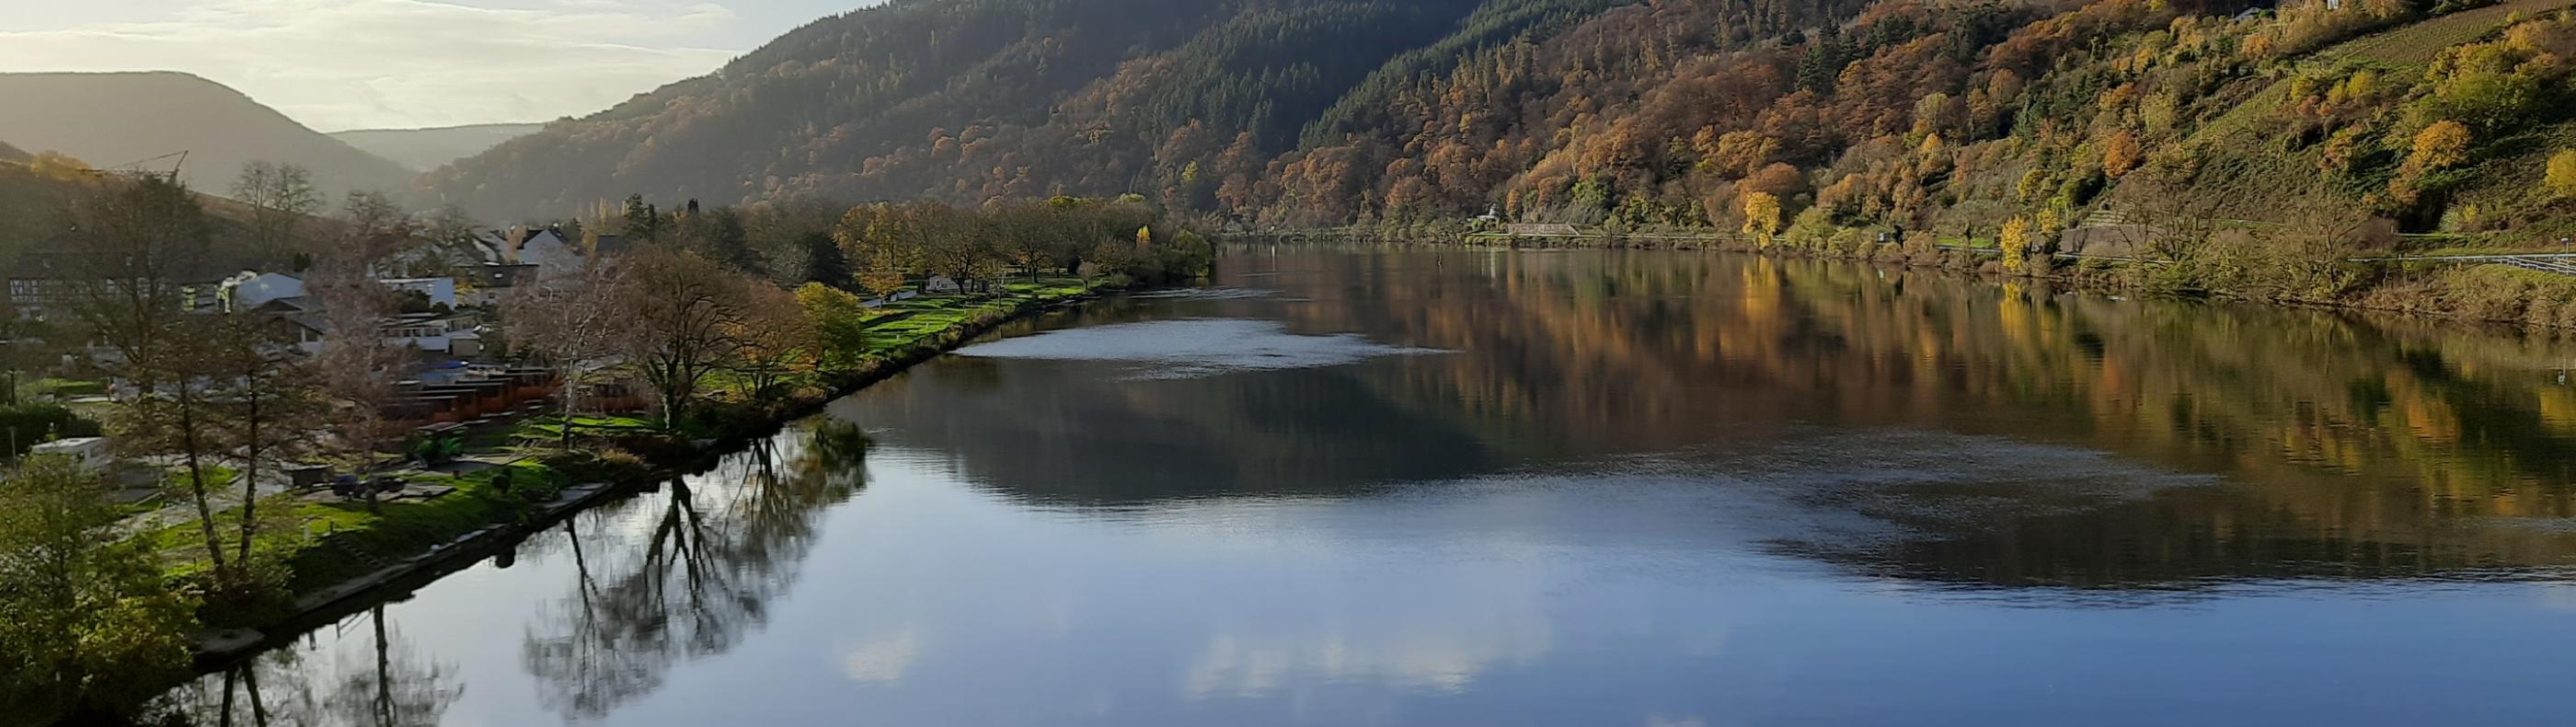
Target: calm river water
point(1450, 487)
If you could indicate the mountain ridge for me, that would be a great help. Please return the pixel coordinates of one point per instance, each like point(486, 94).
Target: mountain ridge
point(1815, 123)
point(112, 119)
point(428, 148)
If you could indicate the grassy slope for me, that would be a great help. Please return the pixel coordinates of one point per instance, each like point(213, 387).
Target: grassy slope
point(2507, 177)
point(2417, 43)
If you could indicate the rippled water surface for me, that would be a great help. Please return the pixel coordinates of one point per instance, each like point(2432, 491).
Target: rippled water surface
point(1344, 487)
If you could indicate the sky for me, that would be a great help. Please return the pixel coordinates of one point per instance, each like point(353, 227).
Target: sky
point(355, 64)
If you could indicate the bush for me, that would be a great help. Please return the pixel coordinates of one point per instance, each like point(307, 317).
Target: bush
point(2561, 178)
point(37, 423)
point(85, 619)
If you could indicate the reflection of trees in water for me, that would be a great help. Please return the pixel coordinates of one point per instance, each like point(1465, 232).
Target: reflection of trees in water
point(390, 684)
point(1071, 432)
point(2348, 448)
point(702, 574)
point(392, 692)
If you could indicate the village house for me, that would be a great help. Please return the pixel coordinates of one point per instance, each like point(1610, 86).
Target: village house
point(453, 334)
point(44, 280)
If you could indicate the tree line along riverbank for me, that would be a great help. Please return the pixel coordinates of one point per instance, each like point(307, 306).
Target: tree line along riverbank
point(2433, 284)
point(101, 608)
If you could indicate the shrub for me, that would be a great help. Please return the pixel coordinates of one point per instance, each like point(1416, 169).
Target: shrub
point(23, 427)
point(2561, 179)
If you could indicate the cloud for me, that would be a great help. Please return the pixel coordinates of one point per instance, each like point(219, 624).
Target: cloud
point(338, 64)
point(883, 660)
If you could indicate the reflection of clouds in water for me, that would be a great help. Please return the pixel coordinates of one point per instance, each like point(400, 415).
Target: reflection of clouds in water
point(1442, 656)
point(2558, 596)
point(1194, 347)
point(883, 660)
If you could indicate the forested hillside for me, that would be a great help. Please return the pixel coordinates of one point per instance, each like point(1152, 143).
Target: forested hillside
point(1813, 124)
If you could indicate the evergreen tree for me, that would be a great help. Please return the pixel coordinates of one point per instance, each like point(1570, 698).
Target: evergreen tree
point(824, 261)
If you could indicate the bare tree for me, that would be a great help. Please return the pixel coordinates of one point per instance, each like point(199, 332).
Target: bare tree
point(129, 287)
point(679, 317)
point(265, 397)
point(281, 198)
point(378, 232)
point(954, 243)
point(2174, 217)
point(2317, 239)
point(569, 322)
point(357, 367)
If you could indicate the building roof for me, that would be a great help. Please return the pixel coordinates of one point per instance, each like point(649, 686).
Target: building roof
point(299, 303)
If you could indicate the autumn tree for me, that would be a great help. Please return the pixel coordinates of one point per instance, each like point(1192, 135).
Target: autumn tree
point(2014, 243)
point(1761, 217)
point(774, 337)
point(883, 243)
point(839, 322)
point(2121, 153)
point(2439, 146)
point(2561, 175)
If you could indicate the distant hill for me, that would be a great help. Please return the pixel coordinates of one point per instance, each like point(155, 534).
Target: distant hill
point(427, 149)
point(107, 119)
point(13, 154)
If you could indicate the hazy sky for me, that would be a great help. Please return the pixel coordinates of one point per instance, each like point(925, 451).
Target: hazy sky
point(346, 64)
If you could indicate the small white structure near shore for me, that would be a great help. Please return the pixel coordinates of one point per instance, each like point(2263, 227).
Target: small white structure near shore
point(89, 452)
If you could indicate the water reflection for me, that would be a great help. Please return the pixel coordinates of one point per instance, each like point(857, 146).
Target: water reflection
point(388, 681)
point(700, 578)
point(650, 583)
point(2317, 445)
point(1633, 488)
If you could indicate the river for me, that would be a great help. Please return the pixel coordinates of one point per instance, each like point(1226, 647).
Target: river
point(1471, 487)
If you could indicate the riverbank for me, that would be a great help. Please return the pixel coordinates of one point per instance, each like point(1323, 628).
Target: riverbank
point(519, 481)
point(2482, 293)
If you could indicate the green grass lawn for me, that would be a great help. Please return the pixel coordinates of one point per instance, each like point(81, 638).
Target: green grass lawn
point(550, 428)
point(62, 388)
